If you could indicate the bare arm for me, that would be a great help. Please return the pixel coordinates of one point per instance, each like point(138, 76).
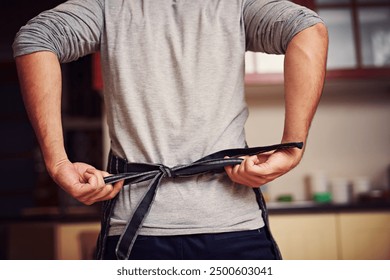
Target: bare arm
point(305, 66)
point(40, 81)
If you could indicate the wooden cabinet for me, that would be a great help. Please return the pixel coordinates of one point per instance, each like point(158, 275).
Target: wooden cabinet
point(359, 31)
point(359, 36)
point(76, 241)
point(364, 236)
point(332, 236)
point(48, 241)
point(306, 236)
point(327, 236)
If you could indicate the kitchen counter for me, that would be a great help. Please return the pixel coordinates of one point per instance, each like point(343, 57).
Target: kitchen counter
point(311, 207)
point(92, 214)
point(61, 230)
point(54, 214)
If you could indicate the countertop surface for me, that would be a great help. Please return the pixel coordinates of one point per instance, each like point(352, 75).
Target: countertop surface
point(92, 214)
point(54, 215)
point(308, 207)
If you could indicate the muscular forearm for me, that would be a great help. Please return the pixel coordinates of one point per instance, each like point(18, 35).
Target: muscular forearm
point(304, 77)
point(40, 81)
point(305, 66)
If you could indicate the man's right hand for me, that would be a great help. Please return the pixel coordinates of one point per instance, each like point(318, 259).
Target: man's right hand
point(40, 82)
point(84, 182)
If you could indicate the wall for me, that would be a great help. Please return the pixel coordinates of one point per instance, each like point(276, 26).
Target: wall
point(349, 138)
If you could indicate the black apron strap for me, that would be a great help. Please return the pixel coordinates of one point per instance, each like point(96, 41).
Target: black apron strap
point(139, 172)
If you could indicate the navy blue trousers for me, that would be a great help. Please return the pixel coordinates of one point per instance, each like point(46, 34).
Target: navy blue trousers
point(239, 245)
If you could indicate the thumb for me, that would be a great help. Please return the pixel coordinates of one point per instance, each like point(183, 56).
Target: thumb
point(263, 163)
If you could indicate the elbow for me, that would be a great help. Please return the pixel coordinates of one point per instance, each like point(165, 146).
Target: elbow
point(320, 37)
point(320, 31)
point(312, 41)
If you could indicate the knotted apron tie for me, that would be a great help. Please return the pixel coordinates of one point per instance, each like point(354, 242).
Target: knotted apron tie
point(139, 172)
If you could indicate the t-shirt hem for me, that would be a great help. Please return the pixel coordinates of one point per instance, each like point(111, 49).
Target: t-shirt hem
point(117, 230)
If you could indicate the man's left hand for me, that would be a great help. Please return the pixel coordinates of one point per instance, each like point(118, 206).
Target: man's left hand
point(260, 169)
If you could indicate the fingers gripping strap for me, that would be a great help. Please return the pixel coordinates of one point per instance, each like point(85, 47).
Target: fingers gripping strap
point(139, 172)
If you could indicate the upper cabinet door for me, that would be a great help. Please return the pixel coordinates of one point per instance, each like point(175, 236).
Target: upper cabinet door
point(359, 42)
point(359, 37)
point(374, 30)
point(342, 51)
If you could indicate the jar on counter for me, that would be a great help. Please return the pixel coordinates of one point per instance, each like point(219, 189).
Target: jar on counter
point(340, 189)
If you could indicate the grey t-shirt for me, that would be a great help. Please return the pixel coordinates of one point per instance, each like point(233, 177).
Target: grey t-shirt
point(173, 75)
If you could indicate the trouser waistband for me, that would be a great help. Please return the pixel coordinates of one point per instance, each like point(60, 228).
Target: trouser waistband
point(140, 172)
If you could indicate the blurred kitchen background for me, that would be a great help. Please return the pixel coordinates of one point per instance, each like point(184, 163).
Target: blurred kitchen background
point(334, 205)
